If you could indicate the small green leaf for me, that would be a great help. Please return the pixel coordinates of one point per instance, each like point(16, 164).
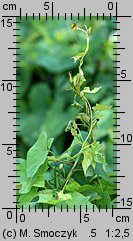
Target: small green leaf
point(68, 128)
point(93, 163)
point(72, 126)
point(100, 107)
point(87, 160)
point(78, 80)
point(97, 153)
point(70, 77)
point(78, 57)
point(100, 158)
point(84, 118)
point(74, 132)
point(92, 156)
point(77, 105)
point(37, 155)
point(87, 90)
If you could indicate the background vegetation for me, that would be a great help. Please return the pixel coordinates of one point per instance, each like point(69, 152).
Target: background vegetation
point(46, 51)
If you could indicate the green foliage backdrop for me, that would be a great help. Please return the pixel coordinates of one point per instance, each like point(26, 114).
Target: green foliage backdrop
point(46, 52)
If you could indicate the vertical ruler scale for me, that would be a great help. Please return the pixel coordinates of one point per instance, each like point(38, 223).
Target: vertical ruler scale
point(116, 67)
point(17, 105)
point(13, 86)
point(125, 135)
point(80, 223)
point(123, 141)
point(9, 88)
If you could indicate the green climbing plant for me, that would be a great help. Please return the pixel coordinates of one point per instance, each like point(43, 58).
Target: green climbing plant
point(70, 178)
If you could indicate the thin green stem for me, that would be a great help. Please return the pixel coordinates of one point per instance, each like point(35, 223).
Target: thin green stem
point(86, 102)
point(59, 179)
point(88, 109)
point(100, 184)
point(86, 50)
point(88, 106)
point(70, 174)
point(74, 165)
point(55, 179)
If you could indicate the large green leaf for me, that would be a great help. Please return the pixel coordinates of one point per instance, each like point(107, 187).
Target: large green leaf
point(38, 180)
point(87, 189)
point(77, 199)
point(73, 186)
point(52, 197)
point(25, 199)
point(87, 160)
point(105, 200)
point(37, 155)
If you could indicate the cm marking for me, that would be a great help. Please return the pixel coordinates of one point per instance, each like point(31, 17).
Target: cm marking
point(11, 6)
point(122, 219)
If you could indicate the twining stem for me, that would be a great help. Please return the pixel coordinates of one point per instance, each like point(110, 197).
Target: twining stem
point(90, 115)
point(86, 103)
point(86, 50)
point(70, 174)
point(74, 165)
